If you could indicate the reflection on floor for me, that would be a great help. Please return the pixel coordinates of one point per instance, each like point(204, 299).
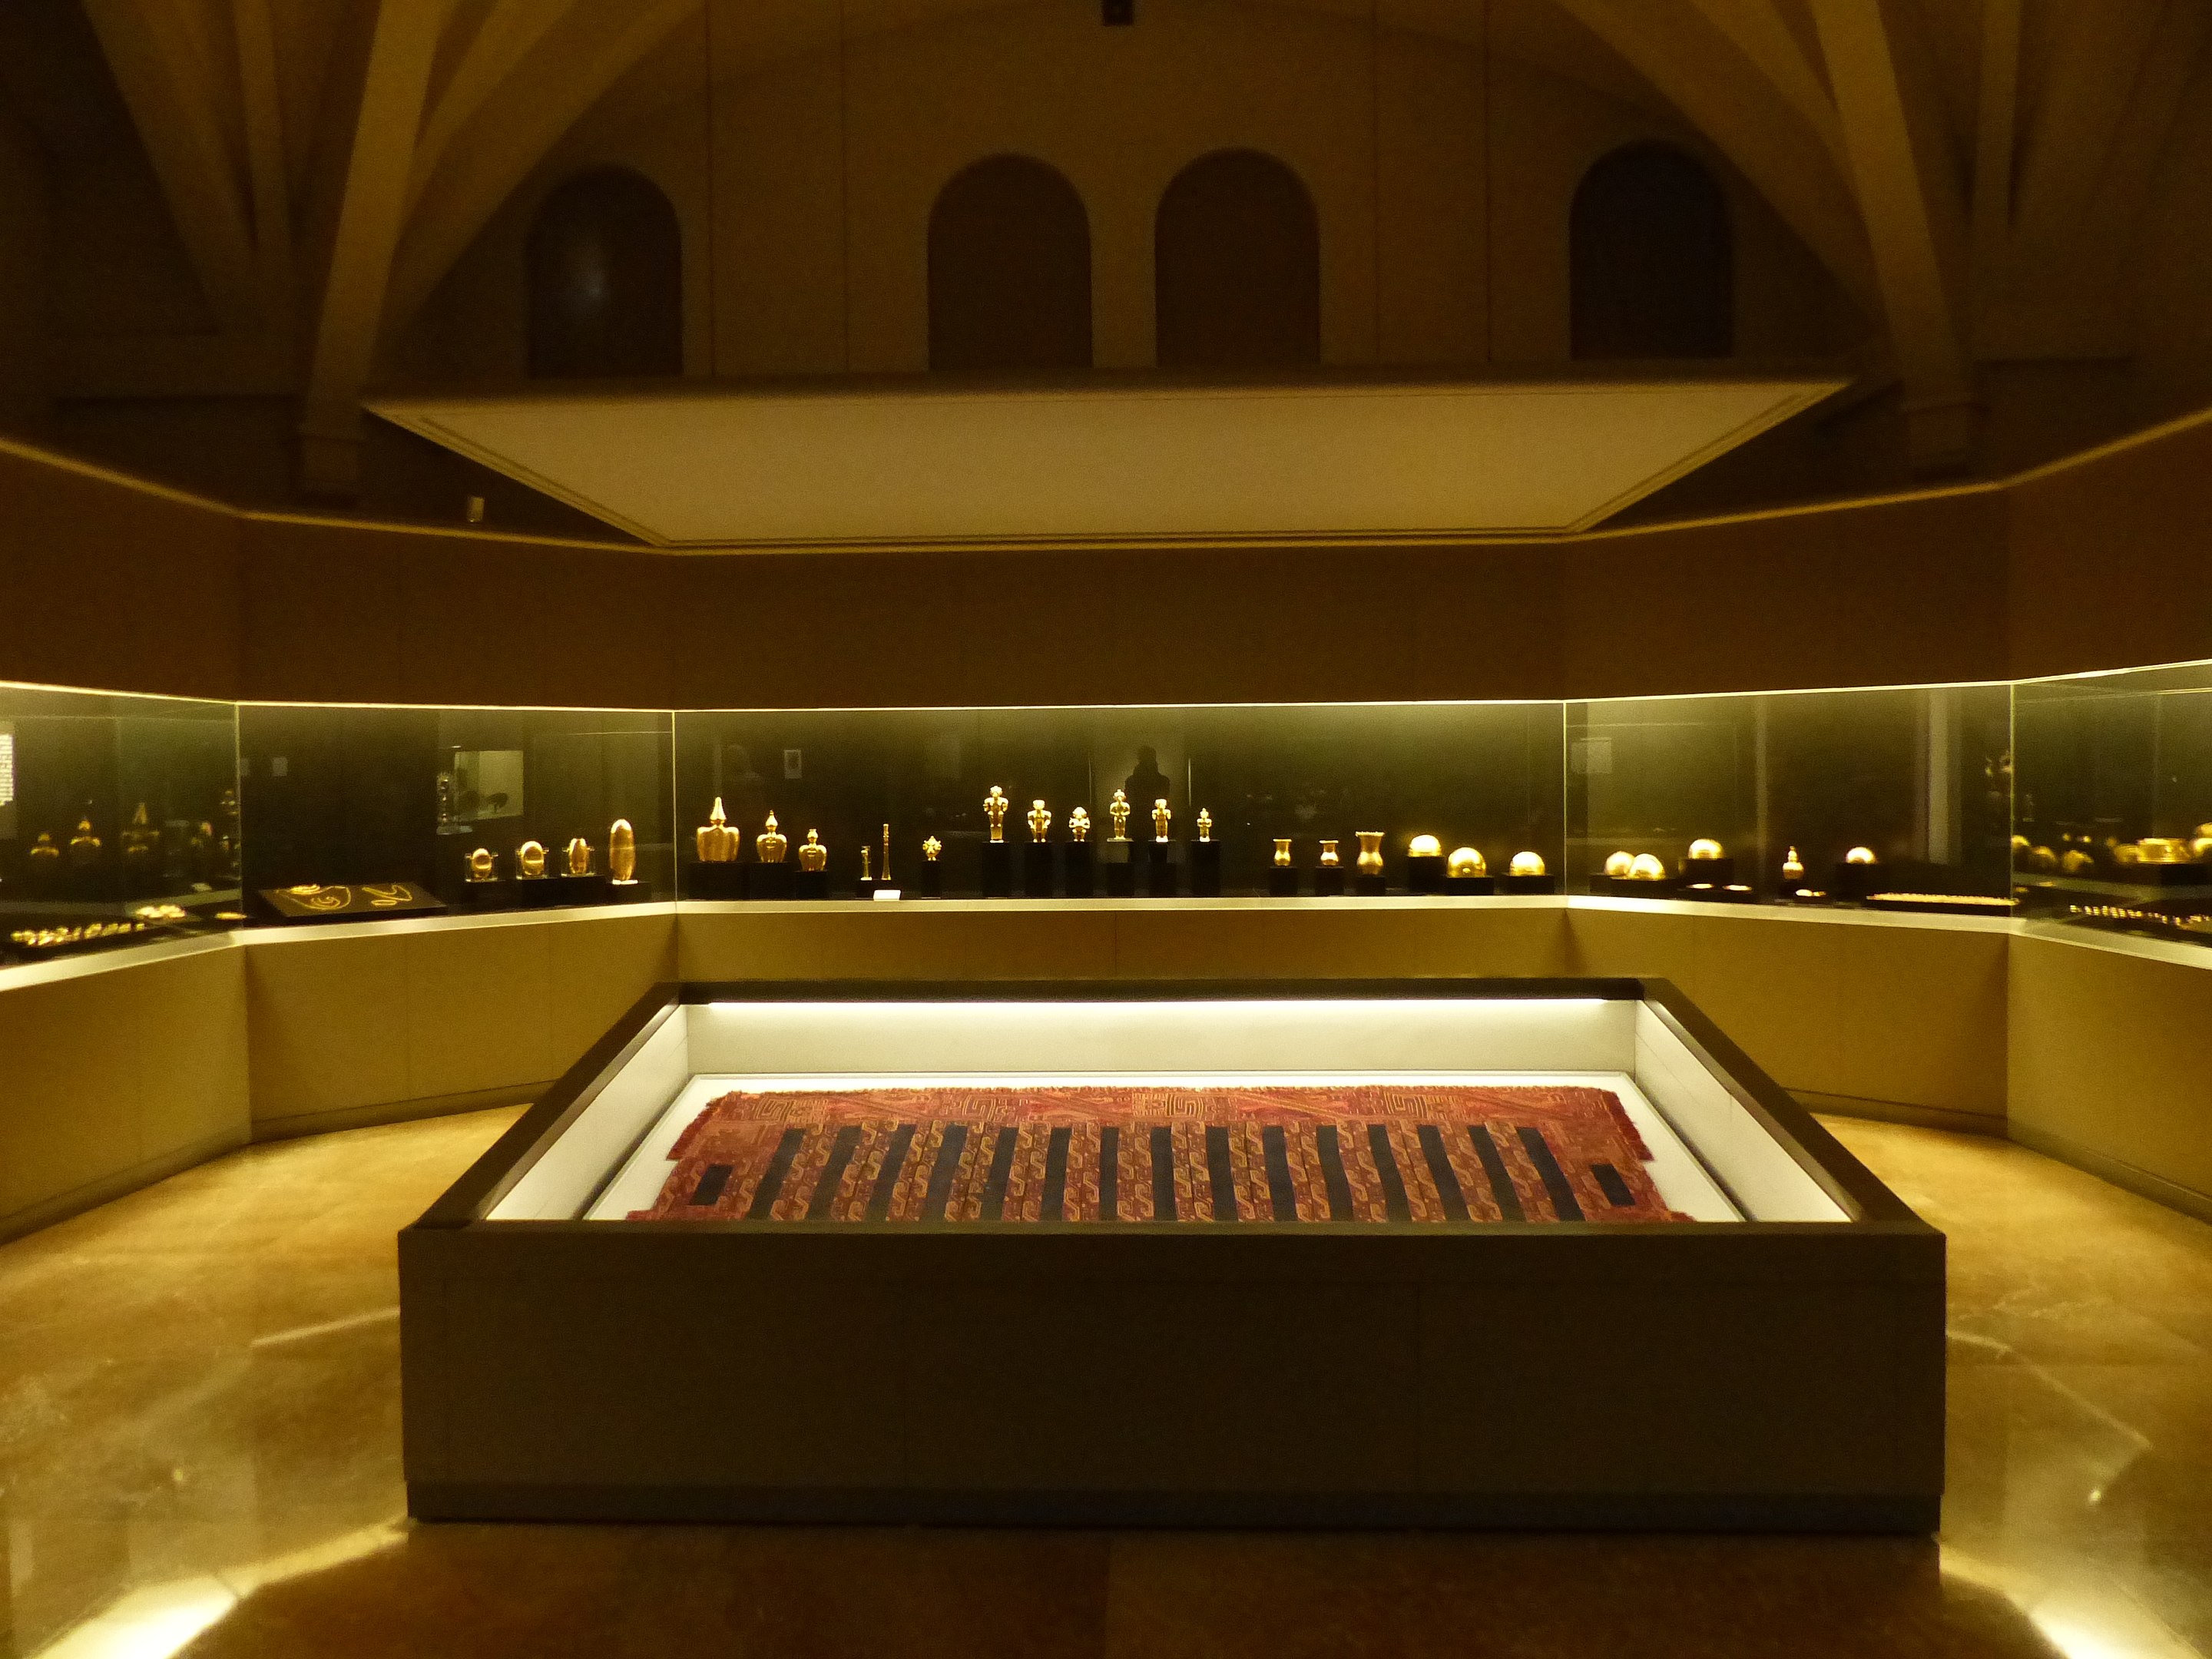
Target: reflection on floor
point(200, 1453)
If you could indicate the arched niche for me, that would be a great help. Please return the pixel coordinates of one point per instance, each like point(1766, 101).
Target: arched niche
point(1651, 258)
point(1237, 266)
point(1009, 270)
point(605, 258)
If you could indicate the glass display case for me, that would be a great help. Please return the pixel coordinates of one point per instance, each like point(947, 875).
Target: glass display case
point(1896, 798)
point(2114, 819)
point(1257, 799)
point(373, 810)
point(118, 820)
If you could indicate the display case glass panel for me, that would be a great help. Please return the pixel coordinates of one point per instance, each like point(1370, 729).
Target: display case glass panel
point(1898, 797)
point(401, 809)
point(2114, 826)
point(1484, 775)
point(118, 820)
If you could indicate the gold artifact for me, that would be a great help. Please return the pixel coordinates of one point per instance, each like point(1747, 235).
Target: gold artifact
point(579, 856)
point(313, 896)
point(1078, 825)
point(1039, 820)
point(717, 843)
point(483, 866)
point(2163, 849)
point(1705, 848)
point(530, 861)
point(1425, 847)
point(387, 897)
point(1619, 864)
point(139, 839)
point(886, 874)
point(161, 913)
point(46, 938)
point(1793, 868)
point(2040, 860)
point(1204, 824)
point(1526, 864)
point(1646, 866)
point(2202, 846)
point(43, 850)
point(866, 874)
point(930, 849)
point(2127, 852)
point(769, 844)
point(994, 808)
point(1161, 819)
point(813, 856)
point(2078, 862)
point(1464, 861)
point(1282, 852)
point(1371, 851)
point(84, 846)
point(1119, 811)
point(621, 852)
point(1328, 858)
point(1860, 855)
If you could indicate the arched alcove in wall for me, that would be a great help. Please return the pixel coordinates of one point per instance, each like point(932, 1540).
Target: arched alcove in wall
point(606, 279)
point(1237, 266)
point(1651, 256)
point(1009, 269)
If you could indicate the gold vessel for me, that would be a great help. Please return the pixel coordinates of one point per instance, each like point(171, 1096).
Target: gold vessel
point(771, 843)
point(1425, 847)
point(1793, 868)
point(530, 861)
point(995, 809)
point(1646, 866)
point(1282, 852)
point(812, 856)
point(621, 852)
point(1526, 864)
point(1705, 848)
point(1464, 861)
point(1371, 851)
point(717, 843)
point(1328, 858)
point(1619, 864)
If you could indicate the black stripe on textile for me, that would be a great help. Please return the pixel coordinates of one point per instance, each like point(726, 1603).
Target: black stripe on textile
point(1441, 1172)
point(942, 1173)
point(1002, 1166)
point(1222, 1175)
point(1332, 1174)
point(1280, 1194)
point(1052, 1206)
point(711, 1182)
point(1555, 1179)
point(1616, 1190)
point(901, 1142)
point(1110, 1173)
point(1394, 1205)
point(833, 1172)
point(1501, 1184)
point(779, 1168)
point(1164, 1199)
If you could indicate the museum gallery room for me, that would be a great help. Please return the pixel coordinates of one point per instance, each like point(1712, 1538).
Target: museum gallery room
point(1117, 828)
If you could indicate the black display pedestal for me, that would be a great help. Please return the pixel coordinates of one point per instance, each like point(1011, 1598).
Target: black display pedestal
point(714, 881)
point(1205, 869)
point(810, 884)
point(538, 892)
point(1467, 886)
point(1120, 872)
point(580, 889)
point(1425, 872)
point(930, 883)
point(770, 881)
point(1631, 887)
point(1718, 872)
point(1077, 879)
point(866, 887)
point(487, 895)
point(1160, 870)
point(1328, 881)
point(1282, 881)
point(998, 869)
point(1036, 869)
point(1511, 883)
point(632, 891)
point(1370, 886)
point(1855, 881)
point(2164, 875)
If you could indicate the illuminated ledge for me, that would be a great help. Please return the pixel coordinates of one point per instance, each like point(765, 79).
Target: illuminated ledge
point(1114, 457)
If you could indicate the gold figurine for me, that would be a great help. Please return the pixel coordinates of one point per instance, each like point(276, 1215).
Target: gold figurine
point(1078, 825)
point(621, 852)
point(1163, 819)
point(1619, 864)
point(84, 846)
point(1328, 858)
point(930, 849)
point(813, 856)
point(1119, 811)
point(1040, 820)
point(530, 861)
point(579, 856)
point(43, 850)
point(1793, 868)
point(1465, 862)
point(886, 875)
point(1526, 864)
point(866, 874)
point(1204, 824)
point(140, 840)
point(1425, 847)
point(483, 866)
point(1704, 850)
point(1282, 852)
point(770, 843)
point(717, 843)
point(994, 808)
point(1371, 851)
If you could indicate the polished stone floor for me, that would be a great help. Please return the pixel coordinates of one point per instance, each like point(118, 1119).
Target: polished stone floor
point(200, 1453)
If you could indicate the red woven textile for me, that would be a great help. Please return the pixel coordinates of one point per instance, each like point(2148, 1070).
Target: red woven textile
point(1445, 1154)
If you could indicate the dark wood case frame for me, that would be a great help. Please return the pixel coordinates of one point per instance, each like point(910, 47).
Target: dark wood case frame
point(1782, 1376)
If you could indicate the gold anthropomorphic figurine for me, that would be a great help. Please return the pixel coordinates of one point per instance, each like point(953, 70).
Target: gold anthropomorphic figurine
point(1282, 852)
point(1162, 820)
point(1040, 820)
point(84, 846)
point(1204, 824)
point(717, 843)
point(994, 808)
point(621, 852)
point(866, 853)
point(930, 849)
point(1078, 825)
point(530, 861)
point(1328, 858)
point(579, 856)
point(812, 856)
point(1118, 810)
point(770, 843)
point(1371, 851)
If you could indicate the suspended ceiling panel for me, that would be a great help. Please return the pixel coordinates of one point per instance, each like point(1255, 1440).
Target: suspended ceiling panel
point(916, 460)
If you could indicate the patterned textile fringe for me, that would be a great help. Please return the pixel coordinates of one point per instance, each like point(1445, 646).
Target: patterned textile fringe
point(1370, 1152)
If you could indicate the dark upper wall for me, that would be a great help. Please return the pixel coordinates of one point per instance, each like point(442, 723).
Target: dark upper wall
point(2097, 563)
